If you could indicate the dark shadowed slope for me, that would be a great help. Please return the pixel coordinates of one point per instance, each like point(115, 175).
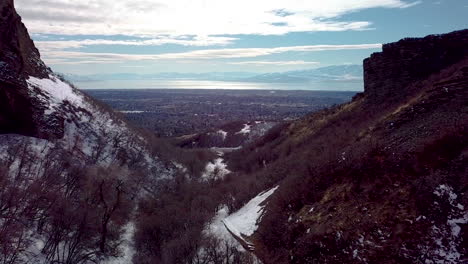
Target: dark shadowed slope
point(382, 179)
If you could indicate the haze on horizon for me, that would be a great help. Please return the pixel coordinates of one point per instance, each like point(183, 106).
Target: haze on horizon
point(153, 36)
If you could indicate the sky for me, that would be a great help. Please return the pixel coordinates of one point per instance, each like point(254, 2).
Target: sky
point(151, 36)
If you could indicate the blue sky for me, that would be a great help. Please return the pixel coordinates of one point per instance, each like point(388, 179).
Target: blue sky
point(150, 36)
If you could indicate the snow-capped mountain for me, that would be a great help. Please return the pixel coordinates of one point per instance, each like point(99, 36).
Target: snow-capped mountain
point(331, 73)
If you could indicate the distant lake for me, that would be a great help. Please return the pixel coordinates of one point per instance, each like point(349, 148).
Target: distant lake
point(198, 84)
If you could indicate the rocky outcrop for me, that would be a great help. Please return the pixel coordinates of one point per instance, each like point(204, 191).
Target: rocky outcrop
point(18, 53)
point(387, 74)
point(20, 111)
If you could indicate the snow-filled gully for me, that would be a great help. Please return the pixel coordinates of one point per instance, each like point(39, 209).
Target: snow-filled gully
point(242, 223)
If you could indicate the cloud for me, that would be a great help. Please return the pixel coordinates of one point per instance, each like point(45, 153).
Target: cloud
point(72, 57)
point(276, 63)
point(195, 17)
point(183, 40)
point(60, 16)
point(256, 52)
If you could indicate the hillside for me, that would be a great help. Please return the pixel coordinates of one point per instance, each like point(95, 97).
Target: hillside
point(71, 170)
point(381, 179)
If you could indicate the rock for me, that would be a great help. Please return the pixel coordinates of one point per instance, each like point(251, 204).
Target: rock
point(20, 111)
point(388, 73)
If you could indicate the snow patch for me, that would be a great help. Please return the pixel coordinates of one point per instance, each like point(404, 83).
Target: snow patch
point(445, 190)
point(244, 222)
point(446, 240)
point(57, 90)
point(245, 130)
point(180, 167)
point(132, 112)
point(215, 170)
point(126, 247)
point(217, 229)
point(223, 134)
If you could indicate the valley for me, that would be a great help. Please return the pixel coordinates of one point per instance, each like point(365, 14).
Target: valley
point(191, 176)
point(173, 113)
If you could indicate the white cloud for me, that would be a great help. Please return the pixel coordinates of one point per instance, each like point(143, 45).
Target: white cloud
point(183, 40)
point(195, 17)
point(275, 63)
point(52, 56)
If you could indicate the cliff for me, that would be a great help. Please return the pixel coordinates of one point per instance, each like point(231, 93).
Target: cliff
point(18, 52)
point(381, 179)
point(20, 112)
point(387, 74)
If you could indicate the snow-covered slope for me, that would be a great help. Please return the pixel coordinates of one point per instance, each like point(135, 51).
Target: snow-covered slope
point(236, 228)
point(244, 222)
point(91, 133)
point(95, 134)
point(91, 138)
point(72, 171)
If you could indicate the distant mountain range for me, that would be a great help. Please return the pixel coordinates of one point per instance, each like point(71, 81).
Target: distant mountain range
point(212, 76)
point(330, 73)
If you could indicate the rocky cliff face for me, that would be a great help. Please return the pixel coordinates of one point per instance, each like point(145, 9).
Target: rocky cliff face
point(20, 112)
point(18, 52)
point(387, 74)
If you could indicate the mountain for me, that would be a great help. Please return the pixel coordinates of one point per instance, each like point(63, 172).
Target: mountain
point(212, 76)
point(38, 103)
point(71, 170)
point(19, 59)
point(381, 179)
point(331, 73)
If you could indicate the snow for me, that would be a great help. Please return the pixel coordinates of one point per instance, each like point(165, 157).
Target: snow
point(445, 238)
point(217, 228)
point(92, 135)
point(34, 254)
point(245, 129)
point(126, 247)
point(355, 253)
point(179, 166)
point(58, 91)
point(221, 151)
point(223, 134)
point(455, 224)
point(215, 170)
point(443, 189)
point(239, 225)
point(95, 134)
point(132, 112)
point(244, 222)
point(421, 217)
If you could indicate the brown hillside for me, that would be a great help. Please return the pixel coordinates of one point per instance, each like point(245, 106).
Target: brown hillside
point(374, 180)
